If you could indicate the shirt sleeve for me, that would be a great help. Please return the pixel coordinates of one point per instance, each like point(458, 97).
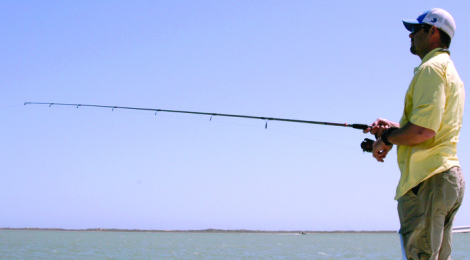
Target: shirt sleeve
point(429, 98)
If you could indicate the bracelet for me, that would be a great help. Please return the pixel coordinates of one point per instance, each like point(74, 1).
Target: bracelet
point(386, 133)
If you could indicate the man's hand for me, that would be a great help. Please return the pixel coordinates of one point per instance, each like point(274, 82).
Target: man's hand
point(380, 150)
point(379, 126)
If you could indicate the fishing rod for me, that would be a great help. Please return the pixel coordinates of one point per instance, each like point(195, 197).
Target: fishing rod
point(366, 145)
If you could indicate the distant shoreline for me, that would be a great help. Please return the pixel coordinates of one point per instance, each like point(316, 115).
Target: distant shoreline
point(200, 231)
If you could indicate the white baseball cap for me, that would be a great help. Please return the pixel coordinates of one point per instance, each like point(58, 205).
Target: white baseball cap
point(437, 17)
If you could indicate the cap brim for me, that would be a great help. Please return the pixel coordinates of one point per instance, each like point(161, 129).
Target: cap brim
point(409, 24)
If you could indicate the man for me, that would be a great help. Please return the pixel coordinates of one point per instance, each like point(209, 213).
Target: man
point(431, 186)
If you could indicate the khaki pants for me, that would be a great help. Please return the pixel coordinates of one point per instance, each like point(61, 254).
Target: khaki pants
point(426, 214)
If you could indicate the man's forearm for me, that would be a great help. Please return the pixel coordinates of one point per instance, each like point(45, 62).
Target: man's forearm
point(410, 134)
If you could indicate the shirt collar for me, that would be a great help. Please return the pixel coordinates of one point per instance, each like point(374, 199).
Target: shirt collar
point(434, 53)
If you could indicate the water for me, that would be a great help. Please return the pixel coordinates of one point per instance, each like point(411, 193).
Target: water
point(129, 245)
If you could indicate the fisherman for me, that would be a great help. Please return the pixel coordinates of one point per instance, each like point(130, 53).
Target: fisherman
point(431, 186)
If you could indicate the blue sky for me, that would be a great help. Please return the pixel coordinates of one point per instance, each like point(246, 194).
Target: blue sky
point(336, 61)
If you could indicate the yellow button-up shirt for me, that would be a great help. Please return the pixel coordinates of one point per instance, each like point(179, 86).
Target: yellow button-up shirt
point(434, 100)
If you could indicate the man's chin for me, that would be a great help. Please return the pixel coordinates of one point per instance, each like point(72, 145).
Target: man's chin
point(413, 49)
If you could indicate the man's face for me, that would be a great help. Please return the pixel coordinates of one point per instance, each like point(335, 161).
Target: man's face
point(419, 40)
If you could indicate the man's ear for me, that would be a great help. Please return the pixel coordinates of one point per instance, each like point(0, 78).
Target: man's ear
point(434, 32)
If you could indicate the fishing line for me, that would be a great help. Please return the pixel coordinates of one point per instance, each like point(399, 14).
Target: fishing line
point(314, 139)
point(8, 107)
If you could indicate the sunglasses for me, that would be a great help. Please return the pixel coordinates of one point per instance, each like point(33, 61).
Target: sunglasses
point(416, 28)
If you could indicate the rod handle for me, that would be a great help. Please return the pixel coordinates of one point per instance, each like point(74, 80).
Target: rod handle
point(360, 126)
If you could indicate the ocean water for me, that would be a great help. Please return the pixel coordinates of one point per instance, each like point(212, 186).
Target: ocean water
point(139, 245)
